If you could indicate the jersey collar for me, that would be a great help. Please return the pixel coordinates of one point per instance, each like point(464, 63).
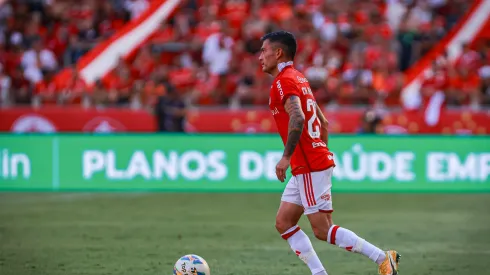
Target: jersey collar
point(283, 65)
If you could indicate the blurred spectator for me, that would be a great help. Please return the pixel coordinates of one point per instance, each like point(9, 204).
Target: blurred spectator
point(5, 85)
point(357, 79)
point(145, 62)
point(352, 52)
point(100, 96)
point(317, 73)
point(21, 89)
point(246, 84)
point(73, 90)
point(170, 110)
point(164, 34)
point(37, 59)
point(120, 84)
point(151, 91)
point(371, 123)
point(217, 53)
point(203, 92)
point(469, 59)
point(6, 12)
point(484, 72)
point(45, 91)
point(136, 7)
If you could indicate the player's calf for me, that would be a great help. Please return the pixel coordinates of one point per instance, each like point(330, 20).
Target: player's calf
point(286, 223)
point(348, 240)
point(325, 230)
point(320, 224)
point(301, 245)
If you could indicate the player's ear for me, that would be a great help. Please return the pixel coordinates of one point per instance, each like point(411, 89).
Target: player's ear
point(279, 52)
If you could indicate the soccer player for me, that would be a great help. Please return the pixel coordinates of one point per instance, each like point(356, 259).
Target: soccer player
point(303, 129)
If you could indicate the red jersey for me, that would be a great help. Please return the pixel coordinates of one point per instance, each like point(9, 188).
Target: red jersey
point(311, 153)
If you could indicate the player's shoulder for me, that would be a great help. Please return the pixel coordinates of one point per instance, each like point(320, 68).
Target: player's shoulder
point(293, 76)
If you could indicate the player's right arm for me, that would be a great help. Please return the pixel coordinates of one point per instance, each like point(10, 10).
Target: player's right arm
point(295, 129)
point(296, 123)
point(323, 125)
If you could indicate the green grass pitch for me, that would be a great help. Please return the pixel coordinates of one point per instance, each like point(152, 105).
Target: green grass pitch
point(145, 233)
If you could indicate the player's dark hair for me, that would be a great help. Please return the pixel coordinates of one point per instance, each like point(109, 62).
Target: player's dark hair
point(286, 41)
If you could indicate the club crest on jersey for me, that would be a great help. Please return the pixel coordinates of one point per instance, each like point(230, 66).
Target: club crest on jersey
point(275, 111)
point(279, 88)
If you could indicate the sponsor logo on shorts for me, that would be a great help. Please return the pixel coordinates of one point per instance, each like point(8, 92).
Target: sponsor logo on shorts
point(325, 197)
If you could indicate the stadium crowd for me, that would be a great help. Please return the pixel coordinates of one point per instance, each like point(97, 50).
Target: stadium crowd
point(352, 52)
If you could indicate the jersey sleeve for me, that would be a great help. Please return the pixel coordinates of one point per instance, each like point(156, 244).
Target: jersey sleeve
point(286, 88)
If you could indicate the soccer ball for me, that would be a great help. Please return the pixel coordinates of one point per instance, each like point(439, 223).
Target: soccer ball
point(191, 265)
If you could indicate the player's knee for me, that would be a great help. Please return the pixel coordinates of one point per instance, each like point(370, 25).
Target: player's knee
point(283, 225)
point(320, 230)
point(320, 233)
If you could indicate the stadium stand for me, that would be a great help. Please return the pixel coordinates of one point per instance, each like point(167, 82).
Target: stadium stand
point(354, 53)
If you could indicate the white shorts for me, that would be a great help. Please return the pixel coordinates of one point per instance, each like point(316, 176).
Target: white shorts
point(312, 191)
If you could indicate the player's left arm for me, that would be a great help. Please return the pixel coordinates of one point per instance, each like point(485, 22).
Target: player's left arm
point(295, 128)
point(323, 125)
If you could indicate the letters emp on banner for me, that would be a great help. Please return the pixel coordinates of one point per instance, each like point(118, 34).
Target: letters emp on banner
point(237, 163)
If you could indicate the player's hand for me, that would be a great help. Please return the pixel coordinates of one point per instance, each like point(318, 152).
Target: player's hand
point(281, 168)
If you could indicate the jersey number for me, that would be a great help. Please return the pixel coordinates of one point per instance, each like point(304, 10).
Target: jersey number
point(313, 130)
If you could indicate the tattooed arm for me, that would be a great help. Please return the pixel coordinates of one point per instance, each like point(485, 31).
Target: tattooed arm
point(295, 128)
point(296, 122)
point(324, 125)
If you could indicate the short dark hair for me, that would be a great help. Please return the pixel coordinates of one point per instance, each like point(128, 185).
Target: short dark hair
point(286, 40)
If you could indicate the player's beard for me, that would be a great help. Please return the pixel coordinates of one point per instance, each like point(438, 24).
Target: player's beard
point(267, 69)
